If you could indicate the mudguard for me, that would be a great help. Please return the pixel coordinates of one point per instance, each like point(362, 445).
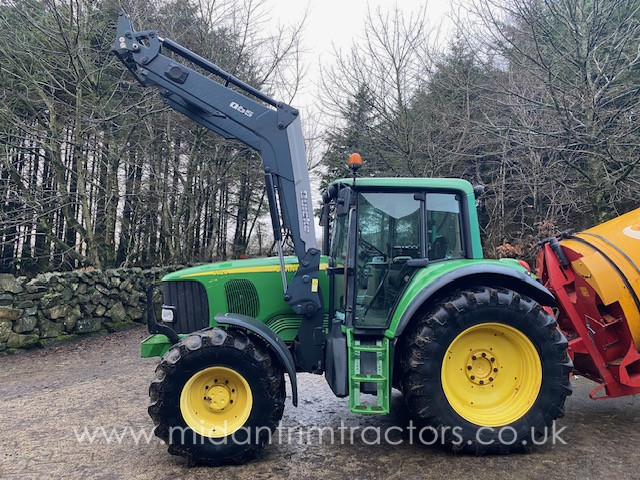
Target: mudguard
point(482, 274)
point(272, 340)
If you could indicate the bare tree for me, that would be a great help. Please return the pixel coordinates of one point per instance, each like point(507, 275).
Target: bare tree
point(373, 84)
point(576, 64)
point(96, 170)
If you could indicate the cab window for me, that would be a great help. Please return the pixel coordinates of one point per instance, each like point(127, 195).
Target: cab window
point(444, 232)
point(389, 229)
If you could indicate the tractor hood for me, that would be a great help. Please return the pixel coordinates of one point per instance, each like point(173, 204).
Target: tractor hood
point(250, 287)
point(235, 267)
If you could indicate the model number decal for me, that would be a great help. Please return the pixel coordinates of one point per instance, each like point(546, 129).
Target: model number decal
point(241, 109)
point(304, 204)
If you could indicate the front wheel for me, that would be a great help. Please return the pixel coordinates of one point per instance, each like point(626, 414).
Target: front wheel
point(217, 396)
point(486, 370)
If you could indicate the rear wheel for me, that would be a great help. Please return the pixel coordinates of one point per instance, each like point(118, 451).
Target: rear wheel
point(486, 370)
point(217, 396)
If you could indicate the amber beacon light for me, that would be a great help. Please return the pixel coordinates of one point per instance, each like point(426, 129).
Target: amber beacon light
point(354, 162)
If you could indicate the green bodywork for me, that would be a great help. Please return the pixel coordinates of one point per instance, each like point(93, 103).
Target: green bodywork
point(155, 345)
point(264, 273)
point(272, 310)
point(426, 276)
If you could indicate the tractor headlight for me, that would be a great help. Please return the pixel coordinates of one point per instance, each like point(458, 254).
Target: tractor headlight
point(167, 315)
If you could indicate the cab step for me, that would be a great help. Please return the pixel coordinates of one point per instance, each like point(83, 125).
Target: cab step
point(381, 378)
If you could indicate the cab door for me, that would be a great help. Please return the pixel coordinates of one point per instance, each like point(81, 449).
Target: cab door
point(389, 233)
point(395, 230)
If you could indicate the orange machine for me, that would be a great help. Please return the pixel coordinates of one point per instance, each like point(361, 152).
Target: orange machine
point(595, 276)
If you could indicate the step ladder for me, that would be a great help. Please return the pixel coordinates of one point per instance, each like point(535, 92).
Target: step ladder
point(381, 377)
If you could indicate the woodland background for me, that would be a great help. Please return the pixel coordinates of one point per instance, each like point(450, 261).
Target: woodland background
point(538, 100)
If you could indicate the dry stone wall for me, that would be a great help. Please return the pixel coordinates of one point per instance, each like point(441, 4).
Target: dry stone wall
point(59, 306)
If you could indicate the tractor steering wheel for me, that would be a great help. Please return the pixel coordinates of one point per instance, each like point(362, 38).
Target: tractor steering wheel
point(372, 247)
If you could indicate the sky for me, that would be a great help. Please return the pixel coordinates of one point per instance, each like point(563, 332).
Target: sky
point(335, 24)
point(338, 23)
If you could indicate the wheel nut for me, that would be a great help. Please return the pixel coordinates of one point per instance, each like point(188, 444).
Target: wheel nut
point(484, 354)
point(495, 370)
point(493, 359)
point(469, 367)
point(481, 382)
point(491, 379)
point(473, 377)
point(474, 358)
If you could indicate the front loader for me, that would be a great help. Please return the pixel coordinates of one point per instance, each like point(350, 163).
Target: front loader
point(399, 296)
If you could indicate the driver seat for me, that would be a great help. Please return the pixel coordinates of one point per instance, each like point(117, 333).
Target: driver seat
point(438, 249)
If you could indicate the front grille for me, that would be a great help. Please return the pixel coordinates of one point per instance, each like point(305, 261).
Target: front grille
point(242, 297)
point(191, 305)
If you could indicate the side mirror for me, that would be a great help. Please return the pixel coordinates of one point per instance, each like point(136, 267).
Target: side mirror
point(343, 202)
point(478, 191)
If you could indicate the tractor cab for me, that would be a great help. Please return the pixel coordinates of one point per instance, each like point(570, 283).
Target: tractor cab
point(378, 232)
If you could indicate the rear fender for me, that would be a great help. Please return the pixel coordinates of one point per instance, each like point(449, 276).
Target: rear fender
point(272, 341)
point(489, 275)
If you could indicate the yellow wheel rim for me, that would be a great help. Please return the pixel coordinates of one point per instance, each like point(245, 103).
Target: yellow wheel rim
point(491, 374)
point(216, 402)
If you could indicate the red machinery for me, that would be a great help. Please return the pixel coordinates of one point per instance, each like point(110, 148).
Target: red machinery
point(595, 276)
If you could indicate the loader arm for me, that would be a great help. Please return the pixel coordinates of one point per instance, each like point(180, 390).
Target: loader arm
point(269, 127)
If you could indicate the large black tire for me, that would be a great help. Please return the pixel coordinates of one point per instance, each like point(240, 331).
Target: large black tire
point(426, 343)
point(226, 348)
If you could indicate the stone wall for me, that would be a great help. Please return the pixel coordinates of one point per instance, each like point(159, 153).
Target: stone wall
point(59, 306)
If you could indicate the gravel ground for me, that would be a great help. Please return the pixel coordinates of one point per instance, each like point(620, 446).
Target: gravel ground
point(49, 395)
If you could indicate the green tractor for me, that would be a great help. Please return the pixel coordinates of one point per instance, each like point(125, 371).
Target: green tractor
point(399, 297)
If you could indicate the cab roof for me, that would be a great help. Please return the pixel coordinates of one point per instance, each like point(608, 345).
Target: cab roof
point(410, 182)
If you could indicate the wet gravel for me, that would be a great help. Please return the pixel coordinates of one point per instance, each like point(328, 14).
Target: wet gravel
point(48, 396)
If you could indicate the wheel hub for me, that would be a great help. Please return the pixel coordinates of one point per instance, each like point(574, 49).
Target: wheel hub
point(216, 401)
point(482, 367)
point(491, 374)
point(218, 397)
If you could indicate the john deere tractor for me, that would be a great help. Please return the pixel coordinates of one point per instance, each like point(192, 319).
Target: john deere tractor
point(399, 296)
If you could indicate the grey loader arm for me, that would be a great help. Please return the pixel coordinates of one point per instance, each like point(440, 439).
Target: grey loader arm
point(269, 127)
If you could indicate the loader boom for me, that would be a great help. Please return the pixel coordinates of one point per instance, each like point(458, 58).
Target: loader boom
point(269, 127)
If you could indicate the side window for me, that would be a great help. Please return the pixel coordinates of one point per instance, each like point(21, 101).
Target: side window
point(444, 233)
point(339, 240)
point(407, 241)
